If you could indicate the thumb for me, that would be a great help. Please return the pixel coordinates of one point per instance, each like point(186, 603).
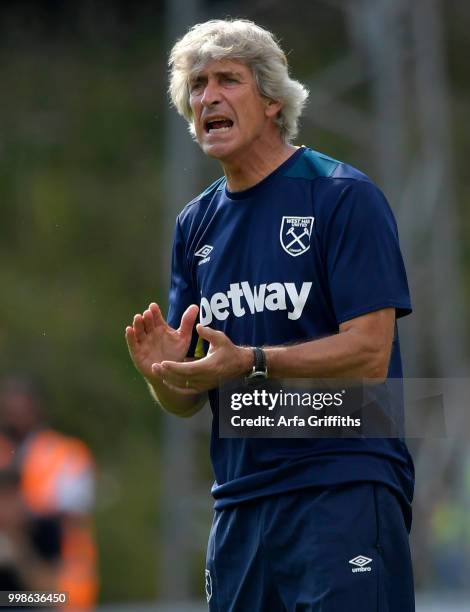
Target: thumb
point(188, 319)
point(211, 335)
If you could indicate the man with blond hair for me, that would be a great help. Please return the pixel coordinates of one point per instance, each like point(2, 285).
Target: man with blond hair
point(292, 264)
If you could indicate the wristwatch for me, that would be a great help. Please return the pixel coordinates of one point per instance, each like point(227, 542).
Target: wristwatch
point(260, 369)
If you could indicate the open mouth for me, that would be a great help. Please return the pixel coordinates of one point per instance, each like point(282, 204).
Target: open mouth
point(218, 126)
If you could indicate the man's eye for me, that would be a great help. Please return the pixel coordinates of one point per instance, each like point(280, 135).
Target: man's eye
point(195, 87)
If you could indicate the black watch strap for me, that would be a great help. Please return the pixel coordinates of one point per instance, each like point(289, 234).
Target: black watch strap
point(260, 369)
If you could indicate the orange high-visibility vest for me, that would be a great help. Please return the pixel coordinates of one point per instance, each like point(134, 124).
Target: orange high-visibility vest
point(48, 458)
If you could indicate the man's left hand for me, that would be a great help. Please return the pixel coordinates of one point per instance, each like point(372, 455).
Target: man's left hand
point(224, 360)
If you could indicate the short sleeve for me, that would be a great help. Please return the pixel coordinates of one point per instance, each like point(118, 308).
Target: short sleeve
point(365, 268)
point(181, 290)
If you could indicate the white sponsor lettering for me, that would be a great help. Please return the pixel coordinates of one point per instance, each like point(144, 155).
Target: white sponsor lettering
point(234, 295)
point(219, 304)
point(298, 299)
point(271, 296)
point(255, 298)
point(276, 299)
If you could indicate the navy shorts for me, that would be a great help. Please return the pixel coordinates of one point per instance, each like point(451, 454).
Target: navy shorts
point(341, 549)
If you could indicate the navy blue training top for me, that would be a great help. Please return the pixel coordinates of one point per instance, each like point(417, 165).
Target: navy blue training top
point(312, 245)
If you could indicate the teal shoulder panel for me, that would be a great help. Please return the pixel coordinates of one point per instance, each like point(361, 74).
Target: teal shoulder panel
point(216, 185)
point(205, 195)
point(312, 164)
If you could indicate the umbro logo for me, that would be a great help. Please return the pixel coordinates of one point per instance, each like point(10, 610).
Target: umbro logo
point(360, 562)
point(204, 252)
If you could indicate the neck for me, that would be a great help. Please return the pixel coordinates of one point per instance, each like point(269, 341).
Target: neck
point(248, 170)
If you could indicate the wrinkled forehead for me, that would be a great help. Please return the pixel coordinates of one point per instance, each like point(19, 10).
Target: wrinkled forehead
point(205, 66)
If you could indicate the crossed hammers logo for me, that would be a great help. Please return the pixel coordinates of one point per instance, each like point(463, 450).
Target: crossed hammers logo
point(291, 232)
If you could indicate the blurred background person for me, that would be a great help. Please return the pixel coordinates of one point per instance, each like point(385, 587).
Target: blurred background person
point(16, 551)
point(48, 494)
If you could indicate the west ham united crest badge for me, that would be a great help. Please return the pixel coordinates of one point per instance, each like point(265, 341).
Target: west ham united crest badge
point(295, 234)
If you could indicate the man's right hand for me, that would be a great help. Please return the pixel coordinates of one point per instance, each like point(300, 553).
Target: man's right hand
point(151, 340)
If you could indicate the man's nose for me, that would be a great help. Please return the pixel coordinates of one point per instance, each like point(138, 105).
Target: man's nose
point(211, 94)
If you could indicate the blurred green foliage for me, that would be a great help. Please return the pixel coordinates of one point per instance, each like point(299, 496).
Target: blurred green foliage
point(80, 201)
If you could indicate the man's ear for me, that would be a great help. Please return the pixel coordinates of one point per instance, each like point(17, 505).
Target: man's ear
point(272, 107)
